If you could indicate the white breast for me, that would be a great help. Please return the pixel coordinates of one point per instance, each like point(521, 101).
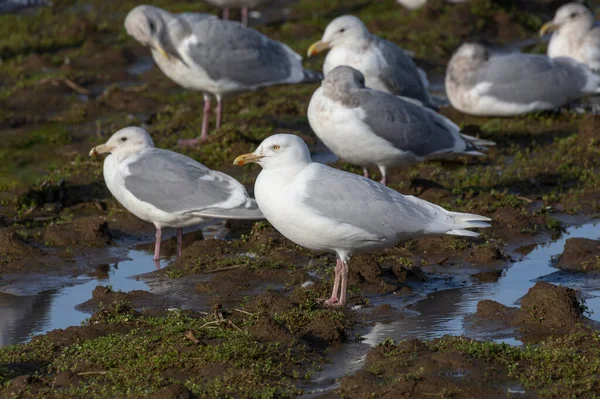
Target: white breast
point(342, 130)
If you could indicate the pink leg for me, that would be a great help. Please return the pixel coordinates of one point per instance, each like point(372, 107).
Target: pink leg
point(179, 241)
point(336, 284)
point(204, 133)
point(157, 245)
point(245, 16)
point(366, 173)
point(344, 284)
point(226, 13)
point(219, 111)
point(383, 171)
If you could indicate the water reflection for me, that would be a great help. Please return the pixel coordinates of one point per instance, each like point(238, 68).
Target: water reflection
point(24, 316)
point(443, 312)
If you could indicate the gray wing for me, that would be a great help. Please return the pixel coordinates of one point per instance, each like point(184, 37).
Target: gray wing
point(368, 205)
point(409, 127)
point(193, 17)
point(401, 77)
point(527, 78)
point(175, 183)
point(228, 50)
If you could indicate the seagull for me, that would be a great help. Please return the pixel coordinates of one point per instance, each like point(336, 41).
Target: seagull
point(370, 127)
point(202, 52)
point(243, 4)
point(576, 35)
point(478, 83)
point(168, 189)
point(326, 209)
point(386, 66)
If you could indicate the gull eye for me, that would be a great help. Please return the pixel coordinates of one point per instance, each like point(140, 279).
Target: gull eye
point(276, 147)
point(151, 26)
point(573, 15)
point(123, 138)
point(342, 30)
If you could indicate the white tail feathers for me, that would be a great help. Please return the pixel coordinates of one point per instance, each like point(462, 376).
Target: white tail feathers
point(464, 221)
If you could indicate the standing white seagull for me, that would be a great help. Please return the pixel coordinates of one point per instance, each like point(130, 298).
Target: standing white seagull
point(386, 66)
point(168, 189)
point(326, 209)
point(576, 35)
point(219, 58)
point(369, 127)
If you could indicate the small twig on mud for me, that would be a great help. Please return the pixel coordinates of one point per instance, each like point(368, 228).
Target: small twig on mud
point(244, 312)
point(75, 86)
point(232, 324)
point(210, 323)
point(190, 335)
point(223, 269)
point(524, 199)
point(92, 373)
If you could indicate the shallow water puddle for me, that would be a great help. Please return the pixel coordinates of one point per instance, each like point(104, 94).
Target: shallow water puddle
point(22, 316)
point(443, 312)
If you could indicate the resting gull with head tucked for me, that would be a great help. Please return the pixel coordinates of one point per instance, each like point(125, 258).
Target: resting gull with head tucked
point(168, 189)
point(326, 209)
point(478, 83)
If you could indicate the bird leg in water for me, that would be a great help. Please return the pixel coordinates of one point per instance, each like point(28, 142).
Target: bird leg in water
point(245, 16)
point(366, 173)
point(219, 111)
point(336, 284)
point(179, 241)
point(344, 285)
point(226, 13)
point(157, 245)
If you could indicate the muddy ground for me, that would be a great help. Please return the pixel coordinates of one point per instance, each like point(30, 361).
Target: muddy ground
point(252, 324)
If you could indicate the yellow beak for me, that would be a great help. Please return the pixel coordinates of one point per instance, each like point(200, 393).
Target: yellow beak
point(100, 149)
point(548, 27)
point(317, 47)
point(162, 51)
point(247, 158)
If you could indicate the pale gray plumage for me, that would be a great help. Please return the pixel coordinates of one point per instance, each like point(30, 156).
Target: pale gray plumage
point(327, 209)
point(382, 129)
point(175, 183)
point(576, 34)
point(201, 52)
point(385, 66)
point(168, 189)
point(511, 84)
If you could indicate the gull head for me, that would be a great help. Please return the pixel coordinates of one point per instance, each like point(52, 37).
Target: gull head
point(344, 76)
point(571, 15)
point(279, 150)
point(145, 24)
point(473, 51)
point(125, 142)
point(346, 29)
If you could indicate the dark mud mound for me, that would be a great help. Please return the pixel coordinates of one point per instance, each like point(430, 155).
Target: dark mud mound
point(87, 231)
point(457, 367)
point(550, 307)
point(580, 254)
point(546, 310)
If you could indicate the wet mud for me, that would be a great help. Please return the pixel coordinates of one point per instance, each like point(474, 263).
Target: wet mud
point(84, 312)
